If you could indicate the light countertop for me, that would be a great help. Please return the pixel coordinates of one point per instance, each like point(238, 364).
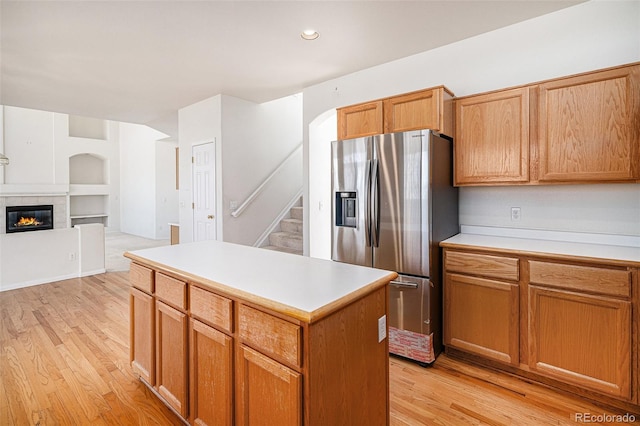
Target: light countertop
point(299, 286)
point(629, 255)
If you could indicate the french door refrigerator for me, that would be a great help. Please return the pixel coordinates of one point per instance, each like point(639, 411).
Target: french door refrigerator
point(393, 202)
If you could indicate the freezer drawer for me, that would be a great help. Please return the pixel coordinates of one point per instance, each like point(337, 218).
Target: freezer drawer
point(409, 304)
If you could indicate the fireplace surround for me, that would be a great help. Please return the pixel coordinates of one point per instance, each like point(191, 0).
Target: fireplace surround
point(29, 218)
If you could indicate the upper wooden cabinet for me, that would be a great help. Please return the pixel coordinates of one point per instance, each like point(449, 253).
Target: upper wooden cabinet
point(360, 120)
point(425, 109)
point(589, 127)
point(492, 138)
point(583, 128)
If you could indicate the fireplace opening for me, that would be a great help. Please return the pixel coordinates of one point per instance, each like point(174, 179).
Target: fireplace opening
point(29, 218)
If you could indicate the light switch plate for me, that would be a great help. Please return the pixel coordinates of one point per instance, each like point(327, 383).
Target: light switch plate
point(382, 328)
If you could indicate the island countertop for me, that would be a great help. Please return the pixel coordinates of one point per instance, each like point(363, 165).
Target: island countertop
point(298, 286)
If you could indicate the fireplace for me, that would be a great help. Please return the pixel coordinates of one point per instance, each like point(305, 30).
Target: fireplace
point(29, 218)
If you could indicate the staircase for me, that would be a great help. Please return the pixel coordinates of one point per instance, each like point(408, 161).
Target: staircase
point(289, 238)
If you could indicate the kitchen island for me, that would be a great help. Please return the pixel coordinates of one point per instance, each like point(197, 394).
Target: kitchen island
point(228, 334)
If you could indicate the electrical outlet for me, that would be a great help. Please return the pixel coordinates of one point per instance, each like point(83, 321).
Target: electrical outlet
point(515, 214)
point(233, 205)
point(72, 256)
point(382, 328)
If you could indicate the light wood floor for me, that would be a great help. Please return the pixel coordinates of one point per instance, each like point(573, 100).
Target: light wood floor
point(64, 360)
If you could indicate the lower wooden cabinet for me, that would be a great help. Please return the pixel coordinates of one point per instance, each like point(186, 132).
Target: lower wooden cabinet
point(268, 393)
point(573, 321)
point(581, 339)
point(142, 349)
point(171, 356)
point(211, 378)
point(482, 317)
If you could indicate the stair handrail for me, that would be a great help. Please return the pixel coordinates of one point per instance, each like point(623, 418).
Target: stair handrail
point(237, 212)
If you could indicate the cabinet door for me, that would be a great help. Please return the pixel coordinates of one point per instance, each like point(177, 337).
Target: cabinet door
point(211, 376)
point(142, 351)
point(492, 138)
point(589, 127)
point(268, 392)
point(171, 356)
point(360, 120)
point(481, 316)
point(581, 339)
point(414, 111)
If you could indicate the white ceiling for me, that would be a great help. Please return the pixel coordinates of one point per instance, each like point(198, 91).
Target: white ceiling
point(140, 61)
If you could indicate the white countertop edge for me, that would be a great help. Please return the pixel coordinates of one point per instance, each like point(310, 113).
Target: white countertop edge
point(562, 236)
point(589, 250)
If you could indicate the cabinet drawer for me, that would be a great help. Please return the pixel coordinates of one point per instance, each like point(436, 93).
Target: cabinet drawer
point(271, 334)
point(171, 290)
point(482, 264)
point(141, 277)
point(612, 282)
point(211, 308)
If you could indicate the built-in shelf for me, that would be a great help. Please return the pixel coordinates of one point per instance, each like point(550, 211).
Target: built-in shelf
point(88, 216)
point(83, 220)
point(88, 189)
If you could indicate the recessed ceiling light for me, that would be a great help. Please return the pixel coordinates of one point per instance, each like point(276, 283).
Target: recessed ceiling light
point(309, 35)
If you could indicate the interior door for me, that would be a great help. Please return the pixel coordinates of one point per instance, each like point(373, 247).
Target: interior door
point(204, 191)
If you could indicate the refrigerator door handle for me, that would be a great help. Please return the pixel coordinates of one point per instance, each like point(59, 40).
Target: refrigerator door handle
point(367, 212)
point(375, 205)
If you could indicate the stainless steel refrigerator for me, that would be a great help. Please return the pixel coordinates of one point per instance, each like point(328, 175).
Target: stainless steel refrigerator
point(393, 202)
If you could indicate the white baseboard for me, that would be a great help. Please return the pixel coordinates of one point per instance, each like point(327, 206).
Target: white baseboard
point(15, 286)
point(95, 272)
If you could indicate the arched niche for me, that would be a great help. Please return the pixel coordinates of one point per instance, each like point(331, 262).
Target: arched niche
point(88, 169)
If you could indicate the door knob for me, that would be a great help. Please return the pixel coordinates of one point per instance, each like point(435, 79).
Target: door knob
point(210, 216)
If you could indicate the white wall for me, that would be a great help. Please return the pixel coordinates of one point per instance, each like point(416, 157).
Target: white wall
point(2, 142)
point(166, 192)
point(582, 38)
point(324, 128)
point(59, 254)
point(148, 195)
point(29, 142)
point(251, 141)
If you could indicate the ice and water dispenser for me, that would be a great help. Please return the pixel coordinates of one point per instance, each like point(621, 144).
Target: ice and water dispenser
point(346, 209)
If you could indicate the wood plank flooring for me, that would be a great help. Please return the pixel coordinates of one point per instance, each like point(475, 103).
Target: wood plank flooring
point(64, 360)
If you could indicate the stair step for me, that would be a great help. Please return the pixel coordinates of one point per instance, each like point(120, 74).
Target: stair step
point(296, 213)
point(286, 239)
point(293, 226)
